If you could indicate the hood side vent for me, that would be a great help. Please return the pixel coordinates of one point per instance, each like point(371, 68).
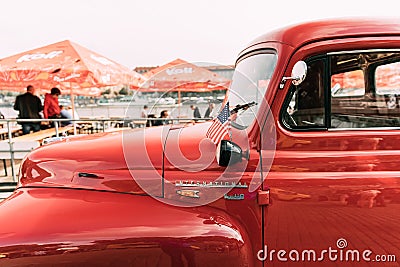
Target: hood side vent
point(89, 175)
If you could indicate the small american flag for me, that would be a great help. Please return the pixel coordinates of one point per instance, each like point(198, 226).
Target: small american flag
point(220, 126)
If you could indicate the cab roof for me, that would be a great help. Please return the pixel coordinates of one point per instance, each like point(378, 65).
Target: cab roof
point(299, 34)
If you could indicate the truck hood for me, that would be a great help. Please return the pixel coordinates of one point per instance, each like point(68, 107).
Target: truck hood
point(105, 161)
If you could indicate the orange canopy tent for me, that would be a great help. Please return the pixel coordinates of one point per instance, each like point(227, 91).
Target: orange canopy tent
point(182, 76)
point(66, 65)
point(137, 81)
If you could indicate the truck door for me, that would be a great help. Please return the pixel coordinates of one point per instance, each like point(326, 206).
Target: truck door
point(334, 182)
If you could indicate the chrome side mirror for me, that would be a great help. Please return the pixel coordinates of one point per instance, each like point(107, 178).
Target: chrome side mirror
point(229, 153)
point(299, 73)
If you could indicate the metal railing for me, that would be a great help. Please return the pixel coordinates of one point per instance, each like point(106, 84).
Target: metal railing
point(97, 125)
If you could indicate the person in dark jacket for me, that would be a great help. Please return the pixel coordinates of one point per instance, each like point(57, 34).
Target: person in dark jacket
point(162, 121)
point(196, 111)
point(209, 110)
point(29, 106)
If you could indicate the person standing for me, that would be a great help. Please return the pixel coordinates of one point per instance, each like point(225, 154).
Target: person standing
point(209, 110)
point(29, 106)
point(196, 111)
point(51, 109)
point(144, 113)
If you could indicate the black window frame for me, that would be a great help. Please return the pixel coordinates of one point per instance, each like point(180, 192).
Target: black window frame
point(292, 89)
point(370, 87)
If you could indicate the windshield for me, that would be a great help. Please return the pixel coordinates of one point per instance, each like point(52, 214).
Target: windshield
point(249, 83)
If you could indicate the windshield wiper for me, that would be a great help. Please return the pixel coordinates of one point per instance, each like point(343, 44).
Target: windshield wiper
point(243, 106)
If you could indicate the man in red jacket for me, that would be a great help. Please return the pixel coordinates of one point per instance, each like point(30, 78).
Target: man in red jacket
point(51, 108)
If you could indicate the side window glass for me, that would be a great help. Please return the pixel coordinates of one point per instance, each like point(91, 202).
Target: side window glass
point(348, 84)
point(365, 90)
point(387, 79)
point(347, 90)
point(305, 106)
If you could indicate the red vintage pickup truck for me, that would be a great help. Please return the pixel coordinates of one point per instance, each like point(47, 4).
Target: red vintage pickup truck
point(305, 170)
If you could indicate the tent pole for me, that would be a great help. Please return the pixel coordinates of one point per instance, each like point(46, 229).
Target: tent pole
point(73, 106)
point(179, 104)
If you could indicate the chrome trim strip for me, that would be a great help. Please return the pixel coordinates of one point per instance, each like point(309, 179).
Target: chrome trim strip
point(363, 129)
point(364, 51)
point(234, 197)
point(211, 184)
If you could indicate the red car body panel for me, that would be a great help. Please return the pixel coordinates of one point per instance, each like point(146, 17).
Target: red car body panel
point(98, 154)
point(310, 32)
point(87, 200)
point(127, 230)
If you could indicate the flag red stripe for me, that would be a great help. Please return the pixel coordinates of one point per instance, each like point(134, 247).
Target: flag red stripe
point(219, 133)
point(215, 130)
point(212, 127)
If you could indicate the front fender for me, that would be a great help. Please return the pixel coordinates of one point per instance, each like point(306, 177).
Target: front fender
point(50, 226)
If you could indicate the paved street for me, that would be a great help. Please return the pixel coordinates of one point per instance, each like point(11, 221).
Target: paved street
point(6, 182)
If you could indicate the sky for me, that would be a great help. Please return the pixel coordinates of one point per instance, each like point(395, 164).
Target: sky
point(152, 33)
